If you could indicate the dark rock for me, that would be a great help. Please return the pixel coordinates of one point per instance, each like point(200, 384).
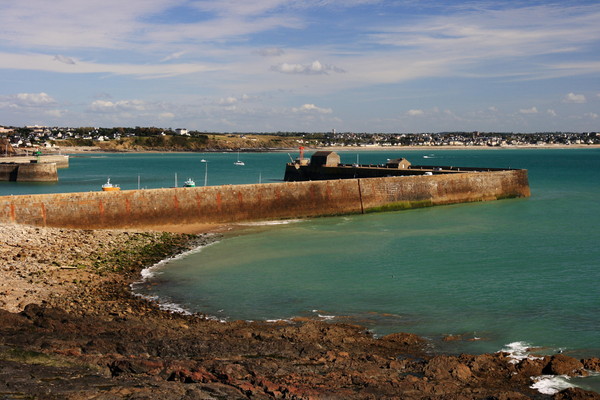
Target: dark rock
point(576, 394)
point(408, 339)
point(593, 364)
point(561, 364)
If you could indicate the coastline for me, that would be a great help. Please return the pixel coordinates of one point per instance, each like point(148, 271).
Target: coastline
point(79, 324)
point(95, 149)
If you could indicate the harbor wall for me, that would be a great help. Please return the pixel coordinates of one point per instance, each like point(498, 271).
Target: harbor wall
point(62, 161)
point(271, 201)
point(29, 172)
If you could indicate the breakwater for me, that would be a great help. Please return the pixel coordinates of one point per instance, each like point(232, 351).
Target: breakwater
point(32, 168)
point(31, 172)
point(240, 203)
point(61, 161)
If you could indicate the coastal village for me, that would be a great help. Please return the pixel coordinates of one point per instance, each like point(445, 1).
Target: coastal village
point(35, 136)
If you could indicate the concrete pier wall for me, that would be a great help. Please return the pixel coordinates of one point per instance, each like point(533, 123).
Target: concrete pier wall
point(61, 161)
point(29, 172)
point(238, 203)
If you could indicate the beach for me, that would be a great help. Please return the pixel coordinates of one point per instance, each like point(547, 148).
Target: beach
point(71, 328)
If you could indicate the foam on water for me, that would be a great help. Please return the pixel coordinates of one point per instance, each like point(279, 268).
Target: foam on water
point(545, 384)
point(518, 351)
point(269, 223)
point(551, 384)
point(153, 270)
point(165, 305)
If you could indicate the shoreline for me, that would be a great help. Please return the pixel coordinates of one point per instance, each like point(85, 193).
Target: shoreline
point(92, 333)
point(95, 149)
point(99, 339)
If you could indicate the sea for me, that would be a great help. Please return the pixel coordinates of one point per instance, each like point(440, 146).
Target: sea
point(519, 275)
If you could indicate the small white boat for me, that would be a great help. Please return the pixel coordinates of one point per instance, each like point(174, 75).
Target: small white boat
point(189, 183)
point(238, 162)
point(109, 187)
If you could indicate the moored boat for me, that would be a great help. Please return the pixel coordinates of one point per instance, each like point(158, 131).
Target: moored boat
point(109, 187)
point(189, 183)
point(238, 162)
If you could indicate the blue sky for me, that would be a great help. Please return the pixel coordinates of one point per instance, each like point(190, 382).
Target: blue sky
point(302, 65)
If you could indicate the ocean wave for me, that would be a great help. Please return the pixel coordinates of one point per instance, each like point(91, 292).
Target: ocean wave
point(153, 270)
point(551, 384)
point(545, 384)
point(324, 317)
point(518, 351)
point(267, 223)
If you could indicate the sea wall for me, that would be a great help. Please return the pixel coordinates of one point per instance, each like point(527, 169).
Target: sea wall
point(62, 161)
point(29, 172)
point(238, 203)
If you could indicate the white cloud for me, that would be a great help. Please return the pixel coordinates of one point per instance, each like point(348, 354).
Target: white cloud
point(468, 42)
point(532, 110)
point(27, 100)
point(42, 62)
point(574, 98)
point(103, 106)
point(166, 115)
point(311, 108)
point(415, 113)
point(551, 112)
point(232, 100)
point(271, 52)
point(314, 68)
point(592, 115)
point(173, 56)
point(227, 101)
point(55, 113)
point(64, 59)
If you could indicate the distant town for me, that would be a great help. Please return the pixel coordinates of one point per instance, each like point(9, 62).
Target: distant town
point(17, 139)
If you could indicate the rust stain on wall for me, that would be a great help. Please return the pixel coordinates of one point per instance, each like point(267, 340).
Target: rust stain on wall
point(219, 202)
point(225, 204)
point(43, 209)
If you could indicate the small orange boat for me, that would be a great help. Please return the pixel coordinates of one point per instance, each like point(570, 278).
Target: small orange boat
point(109, 187)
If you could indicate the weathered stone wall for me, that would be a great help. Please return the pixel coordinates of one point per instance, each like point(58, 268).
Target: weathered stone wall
point(420, 191)
point(29, 172)
point(8, 172)
point(62, 161)
point(237, 203)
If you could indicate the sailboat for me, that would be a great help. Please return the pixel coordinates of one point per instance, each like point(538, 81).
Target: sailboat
point(238, 162)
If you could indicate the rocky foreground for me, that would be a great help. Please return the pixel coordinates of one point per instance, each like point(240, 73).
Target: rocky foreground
point(70, 329)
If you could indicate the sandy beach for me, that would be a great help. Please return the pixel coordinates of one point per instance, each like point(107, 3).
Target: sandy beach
point(71, 329)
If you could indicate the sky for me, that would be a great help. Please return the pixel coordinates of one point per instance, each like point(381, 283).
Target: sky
point(394, 66)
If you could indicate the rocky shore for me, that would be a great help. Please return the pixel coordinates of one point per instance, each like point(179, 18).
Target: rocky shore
point(71, 329)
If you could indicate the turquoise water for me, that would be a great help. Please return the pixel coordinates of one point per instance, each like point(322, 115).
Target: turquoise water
point(87, 172)
point(506, 271)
